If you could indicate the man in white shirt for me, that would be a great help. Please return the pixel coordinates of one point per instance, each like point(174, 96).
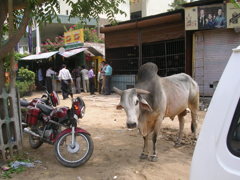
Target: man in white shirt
point(66, 80)
point(49, 74)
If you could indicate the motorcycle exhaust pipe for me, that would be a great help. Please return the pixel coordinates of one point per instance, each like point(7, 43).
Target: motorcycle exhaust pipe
point(27, 130)
point(24, 124)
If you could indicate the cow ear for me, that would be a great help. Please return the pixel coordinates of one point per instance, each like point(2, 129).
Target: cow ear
point(144, 105)
point(119, 107)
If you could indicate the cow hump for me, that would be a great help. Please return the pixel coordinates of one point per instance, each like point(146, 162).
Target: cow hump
point(147, 71)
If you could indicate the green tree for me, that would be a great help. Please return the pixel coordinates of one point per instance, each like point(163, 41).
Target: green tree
point(25, 12)
point(177, 4)
point(235, 3)
point(15, 15)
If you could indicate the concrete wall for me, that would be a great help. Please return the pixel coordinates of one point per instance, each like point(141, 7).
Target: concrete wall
point(123, 6)
point(64, 8)
point(150, 7)
point(136, 6)
point(157, 6)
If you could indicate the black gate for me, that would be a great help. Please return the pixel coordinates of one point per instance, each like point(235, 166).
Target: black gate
point(123, 60)
point(168, 55)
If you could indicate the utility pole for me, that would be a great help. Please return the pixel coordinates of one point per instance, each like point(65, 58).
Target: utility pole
point(38, 48)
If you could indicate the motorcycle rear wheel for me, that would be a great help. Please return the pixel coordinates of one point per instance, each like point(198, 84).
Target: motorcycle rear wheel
point(35, 142)
point(76, 156)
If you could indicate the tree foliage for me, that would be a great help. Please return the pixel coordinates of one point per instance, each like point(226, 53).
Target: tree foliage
point(90, 35)
point(236, 3)
point(177, 4)
point(27, 12)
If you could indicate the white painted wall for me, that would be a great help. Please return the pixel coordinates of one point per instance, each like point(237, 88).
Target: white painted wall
point(157, 6)
point(136, 6)
point(151, 7)
point(64, 7)
point(123, 6)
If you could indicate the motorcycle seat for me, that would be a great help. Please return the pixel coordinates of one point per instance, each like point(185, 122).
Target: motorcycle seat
point(24, 103)
point(45, 108)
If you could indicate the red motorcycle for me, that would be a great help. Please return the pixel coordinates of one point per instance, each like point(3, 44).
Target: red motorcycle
point(58, 126)
point(50, 99)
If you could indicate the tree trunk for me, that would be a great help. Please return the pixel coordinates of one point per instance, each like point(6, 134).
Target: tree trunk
point(11, 51)
point(2, 77)
point(16, 36)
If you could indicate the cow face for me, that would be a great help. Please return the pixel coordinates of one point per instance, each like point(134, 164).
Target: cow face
point(133, 104)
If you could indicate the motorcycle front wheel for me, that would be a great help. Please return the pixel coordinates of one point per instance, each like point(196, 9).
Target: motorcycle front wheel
point(77, 155)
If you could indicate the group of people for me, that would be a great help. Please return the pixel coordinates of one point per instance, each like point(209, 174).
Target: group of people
point(80, 76)
point(211, 20)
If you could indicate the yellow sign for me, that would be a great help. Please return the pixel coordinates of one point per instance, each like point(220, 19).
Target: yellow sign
point(73, 37)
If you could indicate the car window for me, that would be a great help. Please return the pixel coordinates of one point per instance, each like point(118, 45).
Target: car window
point(233, 140)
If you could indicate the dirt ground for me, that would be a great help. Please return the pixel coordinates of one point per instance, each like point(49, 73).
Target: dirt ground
point(116, 149)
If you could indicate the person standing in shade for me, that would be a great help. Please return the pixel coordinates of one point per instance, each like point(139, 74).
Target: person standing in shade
point(77, 76)
point(49, 74)
point(100, 79)
point(108, 76)
point(85, 79)
point(66, 80)
point(104, 65)
point(40, 78)
point(91, 76)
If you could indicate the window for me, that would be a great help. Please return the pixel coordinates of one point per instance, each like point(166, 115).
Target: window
point(66, 12)
point(233, 139)
point(169, 56)
point(136, 15)
point(123, 60)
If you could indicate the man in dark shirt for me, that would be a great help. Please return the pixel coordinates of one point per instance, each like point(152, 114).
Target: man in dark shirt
point(77, 78)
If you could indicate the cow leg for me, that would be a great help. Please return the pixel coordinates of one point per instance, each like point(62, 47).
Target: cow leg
point(194, 105)
point(157, 128)
point(194, 123)
point(181, 126)
point(144, 154)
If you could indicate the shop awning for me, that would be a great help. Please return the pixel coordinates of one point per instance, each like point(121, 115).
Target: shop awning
point(40, 56)
point(73, 52)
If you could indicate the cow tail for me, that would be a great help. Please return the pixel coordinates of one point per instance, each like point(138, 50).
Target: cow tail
point(192, 127)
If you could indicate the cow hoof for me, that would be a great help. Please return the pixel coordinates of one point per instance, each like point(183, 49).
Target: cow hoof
point(143, 156)
point(153, 158)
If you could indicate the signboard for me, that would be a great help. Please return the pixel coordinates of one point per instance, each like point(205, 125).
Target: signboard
point(191, 22)
point(73, 37)
point(205, 17)
point(233, 15)
point(212, 16)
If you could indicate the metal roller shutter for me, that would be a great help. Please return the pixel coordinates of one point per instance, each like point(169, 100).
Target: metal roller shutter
point(212, 50)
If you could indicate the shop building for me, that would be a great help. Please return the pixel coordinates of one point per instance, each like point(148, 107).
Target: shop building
point(159, 39)
point(212, 28)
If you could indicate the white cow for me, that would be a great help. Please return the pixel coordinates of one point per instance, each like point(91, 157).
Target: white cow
point(154, 98)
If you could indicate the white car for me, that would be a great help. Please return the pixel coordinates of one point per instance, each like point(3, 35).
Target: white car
point(217, 152)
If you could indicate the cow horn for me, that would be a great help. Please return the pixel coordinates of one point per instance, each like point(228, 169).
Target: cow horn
point(141, 91)
point(118, 91)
